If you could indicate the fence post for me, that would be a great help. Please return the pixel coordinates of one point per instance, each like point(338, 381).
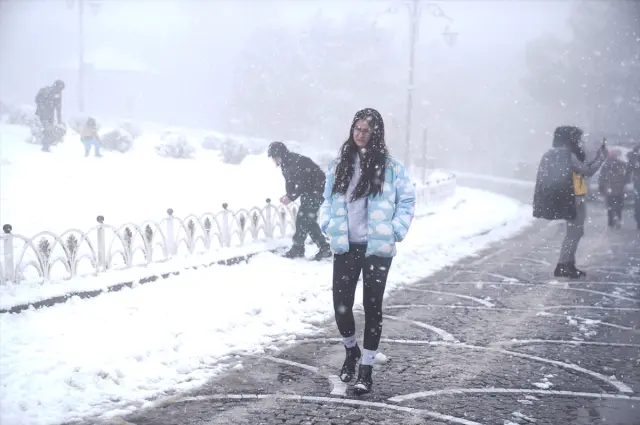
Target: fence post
point(226, 230)
point(268, 220)
point(424, 154)
point(9, 267)
point(102, 248)
point(171, 242)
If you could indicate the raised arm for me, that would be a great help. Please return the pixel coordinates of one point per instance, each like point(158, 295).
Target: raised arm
point(589, 169)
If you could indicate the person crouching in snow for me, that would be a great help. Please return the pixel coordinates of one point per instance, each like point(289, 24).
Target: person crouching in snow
point(89, 136)
point(561, 189)
point(369, 204)
point(303, 179)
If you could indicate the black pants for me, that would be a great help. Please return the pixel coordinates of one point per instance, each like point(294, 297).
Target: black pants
point(47, 131)
point(615, 203)
point(307, 221)
point(346, 272)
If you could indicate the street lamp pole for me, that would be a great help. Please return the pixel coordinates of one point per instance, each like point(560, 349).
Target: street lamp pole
point(81, 67)
point(413, 16)
point(94, 5)
point(414, 27)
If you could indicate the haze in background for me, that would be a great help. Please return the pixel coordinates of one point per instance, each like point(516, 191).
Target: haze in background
point(298, 70)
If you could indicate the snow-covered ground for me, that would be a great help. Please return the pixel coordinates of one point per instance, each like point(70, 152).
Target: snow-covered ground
point(63, 189)
point(109, 354)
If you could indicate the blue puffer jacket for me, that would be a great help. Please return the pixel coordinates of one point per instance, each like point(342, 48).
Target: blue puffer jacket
point(390, 213)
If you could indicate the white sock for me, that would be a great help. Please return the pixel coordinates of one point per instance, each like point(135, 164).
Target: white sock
point(368, 357)
point(350, 341)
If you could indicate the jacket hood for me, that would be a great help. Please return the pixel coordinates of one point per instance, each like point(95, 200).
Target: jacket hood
point(569, 137)
point(566, 136)
point(375, 121)
point(278, 149)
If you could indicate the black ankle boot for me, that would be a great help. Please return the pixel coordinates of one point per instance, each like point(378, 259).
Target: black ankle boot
point(296, 251)
point(566, 270)
point(323, 252)
point(364, 382)
point(351, 359)
point(576, 271)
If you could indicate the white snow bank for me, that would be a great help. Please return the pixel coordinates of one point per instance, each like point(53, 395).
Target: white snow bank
point(30, 291)
point(33, 290)
point(110, 353)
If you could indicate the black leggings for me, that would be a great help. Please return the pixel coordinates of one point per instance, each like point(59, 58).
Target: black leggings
point(346, 272)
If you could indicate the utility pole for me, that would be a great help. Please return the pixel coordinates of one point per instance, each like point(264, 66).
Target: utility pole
point(413, 25)
point(81, 67)
point(94, 5)
point(414, 28)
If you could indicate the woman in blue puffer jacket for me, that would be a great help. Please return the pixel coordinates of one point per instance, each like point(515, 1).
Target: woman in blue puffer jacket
point(368, 207)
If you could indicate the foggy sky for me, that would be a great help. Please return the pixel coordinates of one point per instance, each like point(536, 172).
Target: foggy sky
point(191, 48)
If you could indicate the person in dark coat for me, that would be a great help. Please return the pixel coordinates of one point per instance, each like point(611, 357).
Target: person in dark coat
point(633, 165)
point(49, 107)
point(560, 191)
point(304, 179)
point(611, 182)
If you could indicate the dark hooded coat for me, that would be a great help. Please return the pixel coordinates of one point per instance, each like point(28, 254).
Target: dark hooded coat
point(303, 178)
point(554, 194)
point(613, 177)
point(633, 158)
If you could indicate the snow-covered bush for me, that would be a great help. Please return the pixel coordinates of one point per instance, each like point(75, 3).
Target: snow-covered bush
point(233, 151)
point(175, 145)
point(134, 130)
point(4, 110)
point(117, 140)
point(22, 115)
point(213, 142)
point(37, 133)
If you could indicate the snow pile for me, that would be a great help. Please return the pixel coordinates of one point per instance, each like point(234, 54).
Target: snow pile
point(233, 151)
point(175, 145)
point(88, 357)
point(117, 140)
point(21, 115)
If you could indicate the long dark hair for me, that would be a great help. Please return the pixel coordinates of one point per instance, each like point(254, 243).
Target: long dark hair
point(372, 159)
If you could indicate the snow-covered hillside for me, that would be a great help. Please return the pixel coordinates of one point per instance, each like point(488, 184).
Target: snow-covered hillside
point(63, 189)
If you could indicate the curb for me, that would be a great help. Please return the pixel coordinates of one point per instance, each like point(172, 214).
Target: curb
point(60, 299)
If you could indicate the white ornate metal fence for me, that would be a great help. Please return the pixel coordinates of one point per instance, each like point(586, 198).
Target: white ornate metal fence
point(106, 247)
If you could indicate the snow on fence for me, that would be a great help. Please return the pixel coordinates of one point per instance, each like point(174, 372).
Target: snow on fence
point(106, 247)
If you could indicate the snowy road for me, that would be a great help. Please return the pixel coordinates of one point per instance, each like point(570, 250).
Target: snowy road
point(493, 340)
point(111, 353)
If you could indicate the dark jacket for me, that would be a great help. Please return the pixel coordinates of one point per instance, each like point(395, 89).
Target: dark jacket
point(633, 165)
point(303, 177)
point(49, 103)
point(613, 177)
point(554, 193)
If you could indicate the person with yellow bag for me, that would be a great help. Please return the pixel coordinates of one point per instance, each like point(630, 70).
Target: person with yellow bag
point(561, 189)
